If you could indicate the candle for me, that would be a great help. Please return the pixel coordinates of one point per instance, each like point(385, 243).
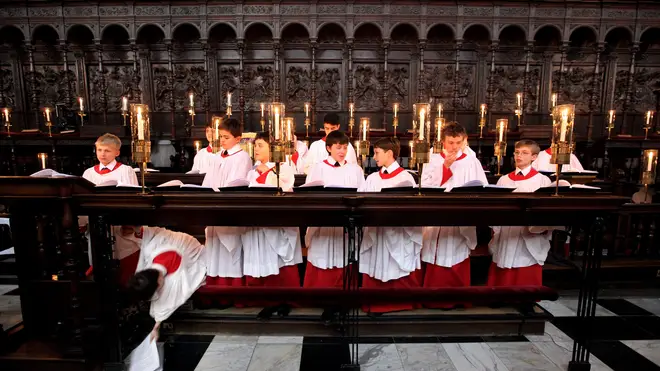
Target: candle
point(192, 100)
point(439, 109)
point(564, 125)
point(649, 163)
point(42, 157)
point(483, 110)
point(610, 120)
point(500, 127)
point(364, 129)
point(262, 110)
point(519, 99)
point(351, 107)
point(649, 115)
point(554, 99)
point(422, 114)
point(48, 114)
point(396, 109)
point(198, 145)
point(439, 123)
point(140, 124)
point(228, 99)
point(124, 104)
point(306, 110)
point(217, 128)
point(80, 101)
point(6, 113)
point(276, 122)
point(289, 122)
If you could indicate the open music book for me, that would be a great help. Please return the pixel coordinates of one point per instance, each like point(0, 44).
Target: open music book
point(50, 173)
point(565, 186)
point(318, 185)
point(478, 186)
point(115, 183)
point(179, 184)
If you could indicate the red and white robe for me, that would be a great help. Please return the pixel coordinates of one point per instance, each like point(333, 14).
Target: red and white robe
point(269, 178)
point(325, 245)
point(179, 257)
point(117, 171)
point(230, 165)
point(446, 250)
point(519, 252)
point(204, 160)
point(542, 163)
point(318, 152)
point(298, 158)
point(390, 256)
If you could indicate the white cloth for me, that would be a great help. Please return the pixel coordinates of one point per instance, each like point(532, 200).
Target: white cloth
point(204, 160)
point(180, 285)
point(388, 253)
point(162, 153)
point(225, 170)
point(266, 250)
point(326, 244)
point(224, 251)
point(318, 152)
point(125, 245)
point(448, 246)
point(287, 176)
point(517, 247)
point(468, 151)
point(302, 150)
point(123, 174)
point(542, 163)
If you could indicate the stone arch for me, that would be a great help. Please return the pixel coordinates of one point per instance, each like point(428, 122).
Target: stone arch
point(293, 23)
point(220, 23)
point(415, 27)
point(619, 35)
point(470, 30)
point(10, 34)
point(450, 26)
point(186, 32)
point(650, 39)
point(78, 27)
point(149, 26)
point(103, 29)
point(559, 30)
point(142, 26)
point(41, 28)
point(216, 35)
point(357, 27)
point(627, 29)
point(324, 34)
point(329, 23)
point(582, 35)
point(245, 30)
point(185, 24)
point(512, 27)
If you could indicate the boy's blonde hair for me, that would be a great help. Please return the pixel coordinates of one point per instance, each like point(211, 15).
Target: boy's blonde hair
point(530, 144)
point(109, 139)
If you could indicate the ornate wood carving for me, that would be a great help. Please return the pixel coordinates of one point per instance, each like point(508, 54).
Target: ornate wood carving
point(646, 86)
point(576, 87)
point(298, 84)
point(328, 88)
point(187, 79)
point(229, 82)
point(259, 81)
point(440, 82)
point(162, 90)
point(49, 85)
point(367, 87)
point(7, 95)
point(399, 86)
point(507, 81)
point(119, 81)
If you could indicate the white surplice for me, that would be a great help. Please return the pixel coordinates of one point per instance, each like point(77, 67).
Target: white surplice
point(388, 253)
point(448, 246)
point(204, 160)
point(180, 285)
point(516, 247)
point(318, 152)
point(326, 244)
point(542, 163)
point(119, 172)
point(299, 165)
point(287, 176)
point(228, 168)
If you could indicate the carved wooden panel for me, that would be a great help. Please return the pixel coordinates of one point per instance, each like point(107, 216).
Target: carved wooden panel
point(507, 82)
point(229, 78)
point(328, 86)
point(466, 81)
point(577, 86)
point(646, 86)
point(366, 87)
point(258, 85)
point(51, 84)
point(297, 86)
point(398, 83)
point(620, 88)
point(7, 95)
point(162, 89)
point(439, 85)
point(189, 78)
point(119, 82)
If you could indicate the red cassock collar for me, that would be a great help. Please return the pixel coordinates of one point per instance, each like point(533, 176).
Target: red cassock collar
point(209, 149)
point(390, 175)
point(261, 179)
point(231, 154)
point(97, 168)
point(331, 165)
point(515, 177)
point(549, 151)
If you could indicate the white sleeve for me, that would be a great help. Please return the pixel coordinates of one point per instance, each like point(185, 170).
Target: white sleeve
point(132, 178)
point(196, 162)
point(351, 157)
point(287, 177)
point(575, 163)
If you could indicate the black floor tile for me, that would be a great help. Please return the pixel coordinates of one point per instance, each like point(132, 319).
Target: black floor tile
point(650, 324)
point(416, 339)
point(623, 307)
point(604, 328)
point(501, 339)
point(184, 356)
point(323, 356)
point(460, 339)
point(619, 357)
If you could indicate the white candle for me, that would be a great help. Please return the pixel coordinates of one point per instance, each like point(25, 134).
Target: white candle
point(439, 109)
point(364, 130)
point(501, 131)
point(262, 110)
point(649, 163)
point(306, 110)
point(124, 104)
point(648, 118)
point(611, 118)
point(228, 99)
point(80, 101)
point(276, 122)
point(350, 109)
point(140, 124)
point(422, 114)
point(198, 145)
point(564, 125)
point(42, 156)
point(439, 123)
point(217, 128)
point(47, 114)
point(554, 99)
point(396, 109)
point(483, 110)
point(288, 130)
point(519, 99)
point(6, 113)
point(192, 100)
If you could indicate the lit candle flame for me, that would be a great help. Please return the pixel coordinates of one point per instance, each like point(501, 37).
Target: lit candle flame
point(611, 116)
point(124, 103)
point(306, 110)
point(6, 113)
point(351, 107)
point(80, 103)
point(649, 116)
point(564, 125)
point(228, 99)
point(649, 163)
point(519, 99)
point(365, 123)
point(439, 109)
point(192, 100)
point(500, 127)
point(276, 122)
point(140, 124)
point(198, 145)
point(262, 110)
point(47, 111)
point(554, 100)
point(483, 110)
point(396, 109)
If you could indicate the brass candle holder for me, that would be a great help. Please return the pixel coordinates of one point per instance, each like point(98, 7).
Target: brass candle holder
point(141, 138)
point(439, 125)
point(610, 122)
point(47, 119)
point(278, 142)
point(421, 146)
point(482, 119)
point(501, 129)
point(6, 117)
point(648, 123)
point(43, 160)
point(649, 168)
point(563, 121)
point(395, 118)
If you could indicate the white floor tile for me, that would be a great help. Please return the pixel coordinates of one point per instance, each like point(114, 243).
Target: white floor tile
point(647, 348)
point(473, 357)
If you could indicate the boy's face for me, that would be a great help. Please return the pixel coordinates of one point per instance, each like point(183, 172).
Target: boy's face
point(523, 156)
point(106, 153)
point(452, 145)
point(228, 141)
point(338, 151)
point(329, 128)
point(261, 151)
point(383, 158)
point(209, 134)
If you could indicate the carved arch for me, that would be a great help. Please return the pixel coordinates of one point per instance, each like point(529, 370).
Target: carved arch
point(512, 25)
point(199, 31)
point(320, 27)
point(577, 27)
point(357, 27)
point(116, 24)
point(40, 26)
point(430, 27)
point(213, 25)
point(12, 29)
point(537, 29)
point(272, 31)
point(469, 25)
point(419, 32)
point(143, 25)
point(627, 29)
point(309, 32)
point(76, 25)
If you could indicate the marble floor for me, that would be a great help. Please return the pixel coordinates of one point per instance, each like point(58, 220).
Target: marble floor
point(10, 307)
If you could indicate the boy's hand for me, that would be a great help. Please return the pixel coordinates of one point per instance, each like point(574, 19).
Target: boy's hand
point(262, 168)
point(449, 160)
point(154, 332)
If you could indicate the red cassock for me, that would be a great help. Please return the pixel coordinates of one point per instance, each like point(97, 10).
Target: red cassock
point(524, 276)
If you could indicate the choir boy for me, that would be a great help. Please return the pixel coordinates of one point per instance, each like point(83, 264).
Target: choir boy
point(542, 163)
point(127, 243)
point(318, 152)
point(223, 244)
point(271, 255)
point(170, 269)
point(390, 256)
point(446, 250)
point(298, 158)
point(204, 158)
point(519, 252)
point(325, 254)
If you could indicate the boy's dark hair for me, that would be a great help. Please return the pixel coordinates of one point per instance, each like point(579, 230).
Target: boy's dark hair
point(233, 126)
point(529, 143)
point(263, 135)
point(389, 144)
point(143, 284)
point(336, 137)
point(453, 129)
point(331, 118)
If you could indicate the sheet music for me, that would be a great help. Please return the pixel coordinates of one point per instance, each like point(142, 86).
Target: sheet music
point(145, 356)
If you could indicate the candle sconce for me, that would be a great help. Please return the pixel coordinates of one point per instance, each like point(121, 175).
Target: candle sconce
point(307, 123)
point(501, 129)
point(648, 123)
point(351, 119)
point(395, 118)
point(81, 111)
point(141, 138)
point(363, 143)
point(48, 112)
point(563, 120)
point(611, 119)
point(648, 171)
